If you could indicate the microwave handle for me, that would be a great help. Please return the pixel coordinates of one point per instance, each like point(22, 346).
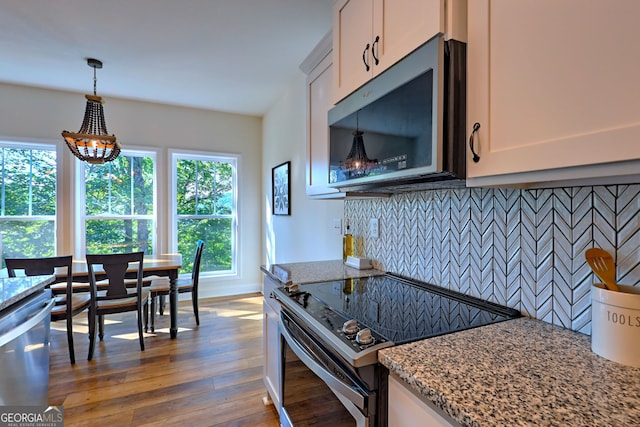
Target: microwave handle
point(335, 384)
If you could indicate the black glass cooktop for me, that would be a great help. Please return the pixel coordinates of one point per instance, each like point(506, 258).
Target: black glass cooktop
point(396, 309)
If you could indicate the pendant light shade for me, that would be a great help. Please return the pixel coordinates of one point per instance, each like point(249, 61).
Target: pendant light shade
point(92, 143)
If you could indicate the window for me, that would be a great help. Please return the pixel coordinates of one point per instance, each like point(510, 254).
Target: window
point(204, 207)
point(115, 205)
point(118, 199)
point(27, 200)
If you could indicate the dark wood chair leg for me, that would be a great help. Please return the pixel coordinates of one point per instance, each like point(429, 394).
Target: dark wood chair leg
point(92, 333)
point(161, 305)
point(140, 333)
point(101, 327)
point(194, 301)
point(72, 354)
point(153, 314)
point(146, 316)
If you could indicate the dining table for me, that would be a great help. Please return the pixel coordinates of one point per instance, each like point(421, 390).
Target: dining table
point(162, 265)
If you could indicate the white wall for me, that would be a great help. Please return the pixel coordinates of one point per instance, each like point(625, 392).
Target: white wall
point(39, 115)
point(306, 235)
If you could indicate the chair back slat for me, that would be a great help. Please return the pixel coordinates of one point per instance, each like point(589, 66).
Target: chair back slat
point(42, 266)
point(31, 267)
point(195, 273)
point(115, 276)
point(115, 267)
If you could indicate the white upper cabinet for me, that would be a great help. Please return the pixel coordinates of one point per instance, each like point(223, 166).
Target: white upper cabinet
point(352, 30)
point(317, 66)
point(555, 87)
point(371, 35)
point(319, 103)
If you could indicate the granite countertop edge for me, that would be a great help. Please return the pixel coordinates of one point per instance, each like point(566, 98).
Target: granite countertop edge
point(15, 289)
point(315, 271)
point(522, 372)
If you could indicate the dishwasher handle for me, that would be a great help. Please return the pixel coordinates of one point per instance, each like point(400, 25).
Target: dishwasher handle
point(32, 321)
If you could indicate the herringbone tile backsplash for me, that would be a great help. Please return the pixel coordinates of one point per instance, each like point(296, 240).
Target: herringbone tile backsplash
point(521, 248)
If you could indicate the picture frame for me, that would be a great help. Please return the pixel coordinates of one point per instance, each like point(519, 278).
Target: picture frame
point(281, 189)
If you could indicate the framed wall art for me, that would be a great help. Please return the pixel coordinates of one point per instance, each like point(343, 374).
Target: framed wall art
point(281, 189)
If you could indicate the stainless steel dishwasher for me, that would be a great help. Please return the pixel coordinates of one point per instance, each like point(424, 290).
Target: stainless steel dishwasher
point(24, 351)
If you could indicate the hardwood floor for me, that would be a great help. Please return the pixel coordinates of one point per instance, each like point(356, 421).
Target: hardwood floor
point(210, 375)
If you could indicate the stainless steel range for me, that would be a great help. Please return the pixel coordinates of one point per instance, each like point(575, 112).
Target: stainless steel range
point(331, 333)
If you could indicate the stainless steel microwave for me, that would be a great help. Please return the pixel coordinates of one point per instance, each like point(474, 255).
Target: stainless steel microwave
point(406, 127)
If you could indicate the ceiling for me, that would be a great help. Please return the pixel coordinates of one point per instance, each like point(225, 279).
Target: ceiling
point(227, 55)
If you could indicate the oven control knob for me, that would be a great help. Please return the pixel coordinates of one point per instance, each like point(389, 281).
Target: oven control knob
point(350, 327)
point(364, 337)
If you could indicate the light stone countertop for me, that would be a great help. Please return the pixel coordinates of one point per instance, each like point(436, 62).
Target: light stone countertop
point(15, 289)
point(521, 372)
point(318, 271)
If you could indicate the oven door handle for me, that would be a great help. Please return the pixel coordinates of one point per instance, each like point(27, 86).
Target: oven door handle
point(334, 383)
point(361, 419)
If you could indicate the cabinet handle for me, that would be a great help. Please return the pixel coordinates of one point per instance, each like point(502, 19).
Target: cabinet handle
point(374, 50)
point(364, 57)
point(476, 127)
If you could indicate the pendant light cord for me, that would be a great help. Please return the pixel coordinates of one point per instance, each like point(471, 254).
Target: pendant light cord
point(94, 80)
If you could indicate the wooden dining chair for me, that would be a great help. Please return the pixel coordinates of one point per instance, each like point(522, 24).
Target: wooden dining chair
point(67, 304)
point(160, 288)
point(60, 288)
point(118, 297)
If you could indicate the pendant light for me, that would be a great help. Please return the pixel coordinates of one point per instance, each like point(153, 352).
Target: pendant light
point(92, 143)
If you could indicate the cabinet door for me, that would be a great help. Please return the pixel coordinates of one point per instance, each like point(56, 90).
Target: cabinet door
point(403, 25)
point(555, 89)
point(271, 342)
point(271, 353)
point(352, 30)
point(319, 103)
point(371, 35)
point(405, 408)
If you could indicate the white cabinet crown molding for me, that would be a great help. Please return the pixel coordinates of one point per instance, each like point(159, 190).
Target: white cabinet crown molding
point(319, 52)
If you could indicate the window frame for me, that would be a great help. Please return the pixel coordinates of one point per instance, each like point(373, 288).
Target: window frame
point(41, 146)
point(80, 201)
point(234, 159)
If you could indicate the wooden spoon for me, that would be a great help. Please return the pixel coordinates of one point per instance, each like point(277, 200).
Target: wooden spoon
point(602, 264)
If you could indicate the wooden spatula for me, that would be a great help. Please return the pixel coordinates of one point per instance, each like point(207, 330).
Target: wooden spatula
point(602, 264)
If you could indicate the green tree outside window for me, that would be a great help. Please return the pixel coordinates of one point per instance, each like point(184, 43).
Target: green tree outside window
point(119, 205)
point(27, 200)
point(205, 209)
